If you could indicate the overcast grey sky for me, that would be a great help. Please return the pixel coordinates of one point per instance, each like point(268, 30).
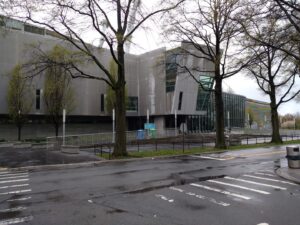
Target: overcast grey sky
point(150, 39)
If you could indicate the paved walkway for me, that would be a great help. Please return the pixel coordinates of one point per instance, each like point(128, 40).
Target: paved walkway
point(289, 174)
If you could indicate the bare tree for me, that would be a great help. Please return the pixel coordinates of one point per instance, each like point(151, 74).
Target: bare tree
point(275, 71)
point(211, 27)
point(72, 19)
point(288, 13)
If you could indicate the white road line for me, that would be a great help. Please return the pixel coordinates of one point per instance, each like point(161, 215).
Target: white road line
point(15, 177)
point(13, 209)
point(165, 198)
point(15, 192)
point(241, 187)
point(269, 179)
point(267, 162)
point(18, 199)
point(207, 157)
point(16, 220)
point(270, 171)
point(200, 197)
point(220, 191)
point(252, 182)
point(266, 174)
point(13, 181)
point(14, 186)
point(13, 174)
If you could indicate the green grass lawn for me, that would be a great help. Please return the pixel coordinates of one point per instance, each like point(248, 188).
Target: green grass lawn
point(198, 150)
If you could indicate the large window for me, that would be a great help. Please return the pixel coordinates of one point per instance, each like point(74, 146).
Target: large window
point(171, 71)
point(102, 103)
point(204, 93)
point(33, 29)
point(132, 104)
point(180, 100)
point(38, 99)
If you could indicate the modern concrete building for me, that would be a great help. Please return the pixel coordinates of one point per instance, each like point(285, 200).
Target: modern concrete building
point(155, 83)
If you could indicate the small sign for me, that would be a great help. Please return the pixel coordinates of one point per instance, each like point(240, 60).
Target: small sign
point(149, 126)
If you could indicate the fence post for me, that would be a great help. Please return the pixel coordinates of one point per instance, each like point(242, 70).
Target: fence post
point(155, 144)
point(138, 144)
point(256, 139)
point(173, 146)
point(183, 140)
point(247, 140)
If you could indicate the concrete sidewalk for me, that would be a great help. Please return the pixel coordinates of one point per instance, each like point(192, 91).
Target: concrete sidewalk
point(289, 174)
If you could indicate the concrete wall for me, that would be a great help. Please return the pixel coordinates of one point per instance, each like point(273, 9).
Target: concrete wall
point(16, 46)
point(9, 131)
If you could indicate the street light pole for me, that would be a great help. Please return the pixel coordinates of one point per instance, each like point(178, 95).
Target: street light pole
point(113, 126)
point(175, 122)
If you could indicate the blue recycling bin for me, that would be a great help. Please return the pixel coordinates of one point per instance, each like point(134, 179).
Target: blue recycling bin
point(140, 135)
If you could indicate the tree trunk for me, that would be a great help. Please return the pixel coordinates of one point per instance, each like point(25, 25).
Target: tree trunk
point(19, 132)
point(219, 108)
point(276, 138)
point(120, 138)
point(56, 127)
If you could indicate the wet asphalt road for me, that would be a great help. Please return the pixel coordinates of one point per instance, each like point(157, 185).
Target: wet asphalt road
point(238, 188)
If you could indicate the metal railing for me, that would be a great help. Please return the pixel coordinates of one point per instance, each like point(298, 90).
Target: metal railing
point(168, 138)
point(89, 140)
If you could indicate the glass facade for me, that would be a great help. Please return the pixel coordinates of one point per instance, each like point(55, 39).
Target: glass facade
point(171, 71)
point(234, 106)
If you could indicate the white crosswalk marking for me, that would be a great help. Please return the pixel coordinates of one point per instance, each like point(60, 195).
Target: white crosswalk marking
point(13, 174)
point(15, 192)
point(13, 209)
point(266, 174)
point(238, 186)
point(10, 180)
point(14, 186)
point(16, 220)
point(14, 177)
point(5, 172)
point(13, 181)
point(256, 183)
point(18, 199)
point(269, 179)
point(220, 191)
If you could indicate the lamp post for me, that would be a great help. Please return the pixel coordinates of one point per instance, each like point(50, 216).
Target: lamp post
point(228, 120)
point(148, 116)
point(113, 125)
point(175, 115)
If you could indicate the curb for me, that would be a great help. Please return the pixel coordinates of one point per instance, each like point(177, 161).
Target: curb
point(84, 164)
point(286, 176)
point(96, 163)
